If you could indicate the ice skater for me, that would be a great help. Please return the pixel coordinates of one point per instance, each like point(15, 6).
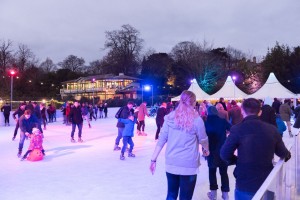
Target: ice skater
point(127, 136)
point(6, 112)
point(36, 143)
point(77, 120)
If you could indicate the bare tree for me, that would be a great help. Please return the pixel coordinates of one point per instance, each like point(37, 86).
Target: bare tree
point(48, 65)
point(124, 48)
point(24, 57)
point(5, 55)
point(72, 63)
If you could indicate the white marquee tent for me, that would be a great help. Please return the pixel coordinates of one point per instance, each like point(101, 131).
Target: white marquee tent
point(229, 91)
point(271, 89)
point(200, 94)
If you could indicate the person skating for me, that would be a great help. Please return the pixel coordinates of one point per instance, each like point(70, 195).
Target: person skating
point(85, 112)
point(141, 119)
point(43, 114)
point(127, 135)
point(77, 120)
point(125, 112)
point(161, 113)
point(105, 110)
point(27, 122)
point(6, 112)
point(19, 112)
point(101, 108)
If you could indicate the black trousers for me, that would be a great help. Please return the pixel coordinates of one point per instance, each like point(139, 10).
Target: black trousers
point(224, 179)
point(16, 129)
point(140, 125)
point(186, 185)
point(159, 125)
point(6, 118)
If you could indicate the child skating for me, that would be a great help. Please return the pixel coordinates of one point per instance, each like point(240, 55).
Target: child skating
point(35, 149)
point(127, 136)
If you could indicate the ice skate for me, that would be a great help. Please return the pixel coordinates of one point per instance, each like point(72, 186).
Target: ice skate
point(122, 157)
point(225, 196)
point(90, 126)
point(13, 138)
point(19, 154)
point(143, 133)
point(212, 195)
point(117, 148)
point(80, 140)
point(72, 140)
point(131, 155)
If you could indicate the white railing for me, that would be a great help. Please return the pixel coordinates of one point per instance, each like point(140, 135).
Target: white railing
point(282, 182)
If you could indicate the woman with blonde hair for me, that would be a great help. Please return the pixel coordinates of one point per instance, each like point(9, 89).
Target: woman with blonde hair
point(183, 130)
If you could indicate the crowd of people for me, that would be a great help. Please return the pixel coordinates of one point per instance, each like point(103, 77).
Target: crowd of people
point(220, 129)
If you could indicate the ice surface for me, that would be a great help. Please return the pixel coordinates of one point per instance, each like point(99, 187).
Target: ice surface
point(89, 170)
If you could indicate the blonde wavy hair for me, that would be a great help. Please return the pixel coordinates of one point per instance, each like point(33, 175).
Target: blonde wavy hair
point(185, 113)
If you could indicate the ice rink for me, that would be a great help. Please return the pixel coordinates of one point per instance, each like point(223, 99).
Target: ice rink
point(89, 170)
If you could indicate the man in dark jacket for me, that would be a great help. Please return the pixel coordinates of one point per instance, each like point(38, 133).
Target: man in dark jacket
point(18, 112)
point(27, 122)
point(256, 142)
point(126, 111)
point(76, 119)
point(276, 104)
point(6, 112)
point(38, 115)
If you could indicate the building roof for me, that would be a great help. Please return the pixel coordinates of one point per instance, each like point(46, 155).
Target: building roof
point(103, 77)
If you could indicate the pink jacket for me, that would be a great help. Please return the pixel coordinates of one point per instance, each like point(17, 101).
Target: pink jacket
point(36, 142)
point(142, 112)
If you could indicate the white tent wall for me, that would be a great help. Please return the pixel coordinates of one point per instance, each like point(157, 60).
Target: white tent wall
point(195, 88)
point(272, 89)
point(228, 91)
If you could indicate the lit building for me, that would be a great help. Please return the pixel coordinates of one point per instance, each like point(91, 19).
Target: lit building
point(102, 87)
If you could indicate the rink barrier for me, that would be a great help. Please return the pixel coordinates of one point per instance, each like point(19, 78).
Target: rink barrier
point(283, 180)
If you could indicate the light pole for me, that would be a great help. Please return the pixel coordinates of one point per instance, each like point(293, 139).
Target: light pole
point(12, 73)
point(234, 78)
point(147, 88)
point(93, 81)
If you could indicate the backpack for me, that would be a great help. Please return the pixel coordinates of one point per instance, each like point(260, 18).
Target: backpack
point(118, 114)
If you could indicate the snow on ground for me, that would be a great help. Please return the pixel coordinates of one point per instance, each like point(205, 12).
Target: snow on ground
point(89, 170)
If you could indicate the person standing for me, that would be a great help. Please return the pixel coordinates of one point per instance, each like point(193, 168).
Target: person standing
point(216, 128)
point(77, 120)
point(276, 105)
point(95, 110)
point(183, 131)
point(20, 111)
point(125, 112)
point(6, 112)
point(43, 114)
point(222, 102)
point(286, 114)
point(101, 108)
point(105, 110)
point(161, 113)
point(221, 112)
point(37, 113)
point(85, 112)
point(141, 119)
point(27, 122)
point(256, 148)
point(235, 113)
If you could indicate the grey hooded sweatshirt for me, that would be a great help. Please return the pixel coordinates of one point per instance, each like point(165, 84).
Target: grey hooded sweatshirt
point(182, 152)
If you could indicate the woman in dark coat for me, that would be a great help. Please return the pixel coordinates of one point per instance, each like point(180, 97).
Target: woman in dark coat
point(161, 112)
point(216, 128)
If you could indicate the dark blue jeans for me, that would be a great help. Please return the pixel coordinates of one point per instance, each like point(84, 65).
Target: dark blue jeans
point(186, 184)
point(79, 130)
point(119, 137)
point(240, 195)
point(22, 139)
point(127, 140)
point(224, 179)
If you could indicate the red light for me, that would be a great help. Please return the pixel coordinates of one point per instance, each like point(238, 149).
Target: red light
point(12, 72)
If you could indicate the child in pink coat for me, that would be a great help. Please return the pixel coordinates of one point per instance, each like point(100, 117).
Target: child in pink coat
point(36, 144)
